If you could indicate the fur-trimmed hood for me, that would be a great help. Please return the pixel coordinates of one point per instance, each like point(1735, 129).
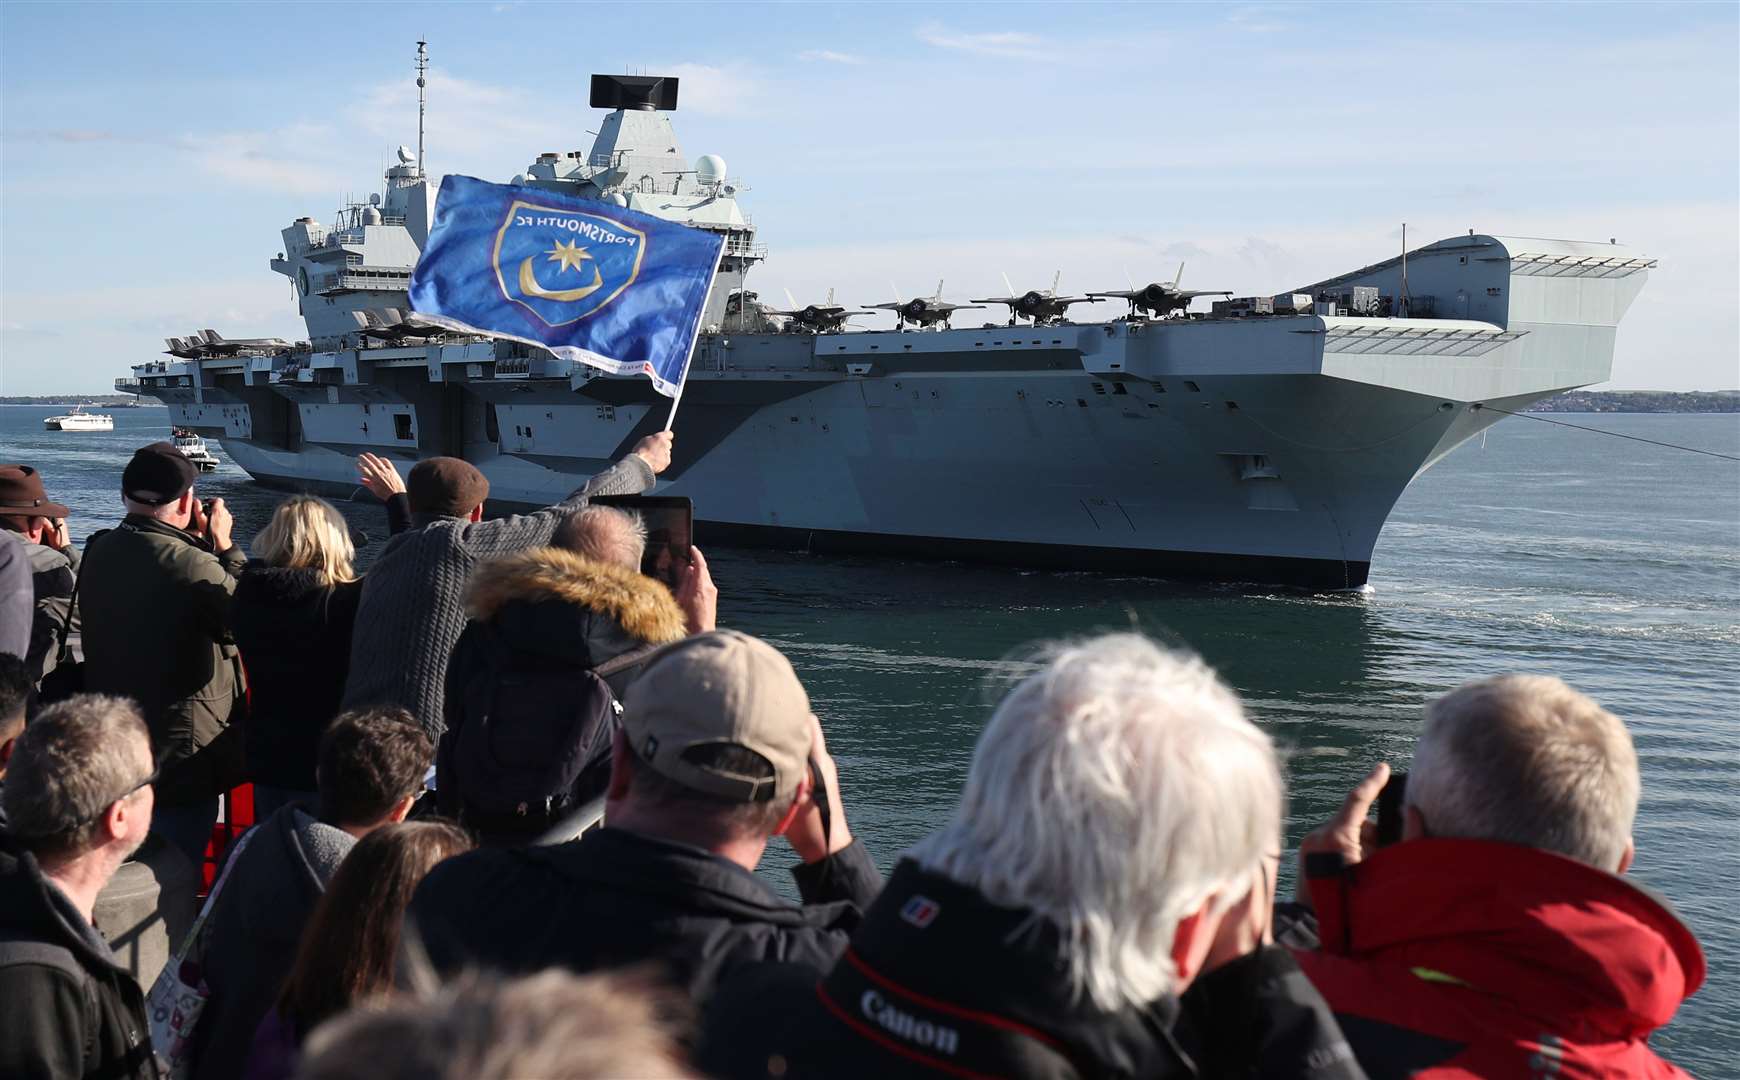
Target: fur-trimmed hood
point(641, 606)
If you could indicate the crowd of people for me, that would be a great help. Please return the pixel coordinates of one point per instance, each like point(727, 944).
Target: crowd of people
point(424, 740)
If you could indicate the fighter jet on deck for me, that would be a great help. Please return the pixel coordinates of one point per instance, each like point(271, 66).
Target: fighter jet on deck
point(208, 343)
point(922, 310)
point(1042, 307)
point(1160, 298)
point(825, 318)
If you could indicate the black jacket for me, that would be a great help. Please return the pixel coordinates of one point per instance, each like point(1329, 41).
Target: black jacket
point(154, 605)
point(67, 1006)
point(294, 634)
point(614, 898)
point(552, 611)
point(940, 982)
point(256, 924)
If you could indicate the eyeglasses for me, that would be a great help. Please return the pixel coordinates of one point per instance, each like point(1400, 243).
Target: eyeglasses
point(150, 778)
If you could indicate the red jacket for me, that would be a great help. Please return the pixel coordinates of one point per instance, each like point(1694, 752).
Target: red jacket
point(1458, 958)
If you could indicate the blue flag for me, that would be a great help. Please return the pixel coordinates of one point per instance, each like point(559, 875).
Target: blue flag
point(590, 281)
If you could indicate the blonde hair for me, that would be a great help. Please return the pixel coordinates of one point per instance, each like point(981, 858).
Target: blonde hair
point(307, 533)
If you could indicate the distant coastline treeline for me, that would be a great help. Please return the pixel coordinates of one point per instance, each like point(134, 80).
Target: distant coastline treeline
point(1578, 401)
point(1641, 401)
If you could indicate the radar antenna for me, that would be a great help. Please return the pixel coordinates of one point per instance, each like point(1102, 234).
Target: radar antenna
point(422, 99)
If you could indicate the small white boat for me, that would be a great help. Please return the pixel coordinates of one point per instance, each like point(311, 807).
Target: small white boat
point(79, 420)
point(193, 448)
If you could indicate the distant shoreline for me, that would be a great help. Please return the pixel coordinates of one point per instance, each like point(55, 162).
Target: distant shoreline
point(1576, 401)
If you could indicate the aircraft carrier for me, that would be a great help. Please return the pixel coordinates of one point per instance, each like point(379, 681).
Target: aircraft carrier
point(1266, 442)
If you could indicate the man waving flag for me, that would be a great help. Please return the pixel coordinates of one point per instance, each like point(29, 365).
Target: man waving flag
point(590, 281)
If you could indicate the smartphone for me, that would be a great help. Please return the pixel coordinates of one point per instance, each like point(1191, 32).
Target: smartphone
point(1389, 809)
point(670, 530)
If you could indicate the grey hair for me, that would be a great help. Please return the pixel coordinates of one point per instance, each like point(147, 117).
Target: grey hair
point(604, 533)
point(554, 1025)
point(1112, 793)
point(1525, 759)
point(74, 759)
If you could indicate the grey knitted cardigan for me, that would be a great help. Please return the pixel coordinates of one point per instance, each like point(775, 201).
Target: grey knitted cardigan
point(413, 600)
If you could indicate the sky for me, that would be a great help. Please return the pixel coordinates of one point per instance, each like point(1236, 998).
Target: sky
point(150, 154)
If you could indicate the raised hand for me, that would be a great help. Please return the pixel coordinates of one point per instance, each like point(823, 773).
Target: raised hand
point(379, 475)
point(805, 833)
point(1349, 833)
point(655, 450)
point(697, 595)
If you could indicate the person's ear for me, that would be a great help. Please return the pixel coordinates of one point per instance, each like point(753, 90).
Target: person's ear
point(1191, 942)
point(1413, 825)
point(477, 512)
point(1625, 859)
point(6, 751)
point(122, 820)
point(401, 809)
point(621, 768)
point(184, 505)
point(799, 801)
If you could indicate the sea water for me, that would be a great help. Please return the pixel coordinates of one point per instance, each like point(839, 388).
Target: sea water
point(1612, 564)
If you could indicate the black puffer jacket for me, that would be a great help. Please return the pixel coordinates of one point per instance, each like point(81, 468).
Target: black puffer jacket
point(614, 898)
point(940, 982)
point(294, 634)
point(70, 1008)
point(538, 618)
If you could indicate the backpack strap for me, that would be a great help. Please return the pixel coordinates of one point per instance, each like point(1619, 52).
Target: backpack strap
point(17, 952)
point(72, 604)
point(626, 660)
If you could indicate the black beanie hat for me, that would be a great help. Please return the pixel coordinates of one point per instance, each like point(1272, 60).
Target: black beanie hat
point(157, 475)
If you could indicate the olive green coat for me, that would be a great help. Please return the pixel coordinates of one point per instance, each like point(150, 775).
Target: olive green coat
point(154, 604)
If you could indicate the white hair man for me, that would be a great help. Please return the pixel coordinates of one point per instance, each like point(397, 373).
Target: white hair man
point(1498, 933)
point(1116, 843)
point(78, 802)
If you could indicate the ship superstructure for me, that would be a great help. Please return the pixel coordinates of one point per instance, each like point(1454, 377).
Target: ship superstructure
point(1266, 445)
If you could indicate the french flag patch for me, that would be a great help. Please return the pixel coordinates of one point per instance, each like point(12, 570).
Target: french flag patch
point(920, 911)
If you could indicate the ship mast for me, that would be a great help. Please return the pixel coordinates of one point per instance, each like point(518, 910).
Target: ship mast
point(422, 99)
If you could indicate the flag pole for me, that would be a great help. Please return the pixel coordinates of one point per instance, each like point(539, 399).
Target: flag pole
point(694, 340)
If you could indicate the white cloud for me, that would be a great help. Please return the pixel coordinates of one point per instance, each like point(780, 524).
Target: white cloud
point(829, 56)
point(714, 91)
point(1006, 43)
point(268, 160)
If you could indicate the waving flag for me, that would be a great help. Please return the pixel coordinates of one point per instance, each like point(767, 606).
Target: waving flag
point(592, 282)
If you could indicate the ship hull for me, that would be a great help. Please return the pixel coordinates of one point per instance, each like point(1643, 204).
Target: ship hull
point(1265, 450)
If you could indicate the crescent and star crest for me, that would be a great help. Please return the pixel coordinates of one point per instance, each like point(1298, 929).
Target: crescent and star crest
point(569, 256)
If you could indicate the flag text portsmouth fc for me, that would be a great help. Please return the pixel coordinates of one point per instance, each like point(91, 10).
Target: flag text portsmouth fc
point(590, 281)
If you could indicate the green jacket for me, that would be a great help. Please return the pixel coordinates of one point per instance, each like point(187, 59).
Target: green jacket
point(154, 606)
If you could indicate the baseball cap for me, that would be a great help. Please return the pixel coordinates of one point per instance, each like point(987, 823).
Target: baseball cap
point(715, 690)
point(157, 475)
point(445, 485)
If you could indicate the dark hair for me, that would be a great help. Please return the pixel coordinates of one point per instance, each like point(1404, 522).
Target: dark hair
point(370, 758)
point(352, 938)
point(15, 689)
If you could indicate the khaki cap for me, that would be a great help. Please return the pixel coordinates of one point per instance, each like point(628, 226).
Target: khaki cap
point(721, 688)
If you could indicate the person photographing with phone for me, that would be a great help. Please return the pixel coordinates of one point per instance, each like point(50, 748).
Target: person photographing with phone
point(154, 599)
point(718, 754)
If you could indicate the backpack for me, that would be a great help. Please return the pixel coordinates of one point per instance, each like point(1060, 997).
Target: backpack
point(529, 741)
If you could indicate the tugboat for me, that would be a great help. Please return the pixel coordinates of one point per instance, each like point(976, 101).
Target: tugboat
point(193, 448)
point(79, 420)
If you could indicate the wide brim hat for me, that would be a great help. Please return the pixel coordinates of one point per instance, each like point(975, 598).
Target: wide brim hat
point(22, 494)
